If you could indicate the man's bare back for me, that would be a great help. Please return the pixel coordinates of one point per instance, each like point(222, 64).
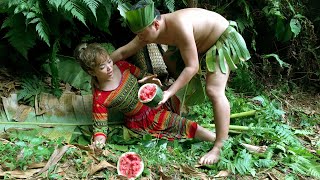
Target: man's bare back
point(206, 26)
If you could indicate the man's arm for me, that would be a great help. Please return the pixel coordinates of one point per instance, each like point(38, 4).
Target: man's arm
point(189, 53)
point(127, 50)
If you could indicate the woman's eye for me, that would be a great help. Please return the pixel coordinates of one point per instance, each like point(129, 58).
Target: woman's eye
point(102, 67)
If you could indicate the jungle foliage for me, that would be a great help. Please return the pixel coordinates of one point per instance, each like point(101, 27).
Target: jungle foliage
point(282, 35)
point(40, 35)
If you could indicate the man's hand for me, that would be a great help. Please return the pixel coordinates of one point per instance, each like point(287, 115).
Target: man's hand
point(166, 96)
point(151, 79)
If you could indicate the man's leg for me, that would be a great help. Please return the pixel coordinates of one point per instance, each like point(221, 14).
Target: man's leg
point(215, 87)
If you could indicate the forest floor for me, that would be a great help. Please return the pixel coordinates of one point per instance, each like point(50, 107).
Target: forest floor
point(299, 104)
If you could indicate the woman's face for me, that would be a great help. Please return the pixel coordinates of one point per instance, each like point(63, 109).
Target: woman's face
point(104, 70)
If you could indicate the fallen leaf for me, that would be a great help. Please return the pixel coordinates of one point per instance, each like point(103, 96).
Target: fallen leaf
point(20, 174)
point(55, 158)
point(102, 165)
point(222, 174)
point(193, 172)
point(22, 113)
point(163, 176)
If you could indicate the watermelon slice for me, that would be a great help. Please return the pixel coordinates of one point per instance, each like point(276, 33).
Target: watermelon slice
point(130, 165)
point(150, 94)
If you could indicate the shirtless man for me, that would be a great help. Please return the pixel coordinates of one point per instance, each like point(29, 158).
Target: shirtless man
point(194, 31)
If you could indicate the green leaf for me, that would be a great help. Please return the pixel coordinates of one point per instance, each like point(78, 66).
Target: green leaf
point(194, 87)
point(211, 59)
point(20, 37)
point(221, 58)
point(93, 5)
point(43, 32)
point(126, 134)
point(230, 62)
point(118, 147)
point(295, 26)
point(123, 8)
point(281, 63)
point(170, 5)
point(71, 72)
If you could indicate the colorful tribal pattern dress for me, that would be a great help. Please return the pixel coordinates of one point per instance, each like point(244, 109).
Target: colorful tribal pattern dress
point(141, 119)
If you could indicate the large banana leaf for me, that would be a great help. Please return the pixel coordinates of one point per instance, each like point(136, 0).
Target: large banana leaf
point(56, 117)
point(193, 93)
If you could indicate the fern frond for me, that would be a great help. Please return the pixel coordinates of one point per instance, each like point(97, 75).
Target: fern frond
point(55, 3)
point(31, 87)
point(19, 37)
point(286, 135)
point(14, 2)
point(76, 11)
point(43, 32)
point(226, 164)
point(265, 163)
point(93, 5)
point(314, 171)
point(302, 161)
point(33, 14)
point(170, 5)
point(113, 1)
point(243, 163)
point(104, 15)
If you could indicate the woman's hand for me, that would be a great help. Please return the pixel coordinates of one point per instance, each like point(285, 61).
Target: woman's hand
point(151, 79)
point(99, 142)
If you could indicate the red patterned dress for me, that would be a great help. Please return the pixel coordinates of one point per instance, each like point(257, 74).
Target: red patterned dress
point(141, 119)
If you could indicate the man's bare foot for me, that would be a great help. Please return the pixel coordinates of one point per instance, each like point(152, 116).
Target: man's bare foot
point(211, 157)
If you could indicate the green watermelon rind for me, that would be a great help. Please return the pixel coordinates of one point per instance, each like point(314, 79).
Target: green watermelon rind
point(125, 154)
point(152, 102)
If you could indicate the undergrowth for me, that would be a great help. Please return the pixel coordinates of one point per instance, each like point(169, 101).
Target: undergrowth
point(268, 127)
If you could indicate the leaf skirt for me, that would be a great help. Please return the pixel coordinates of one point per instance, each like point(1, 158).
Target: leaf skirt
point(229, 50)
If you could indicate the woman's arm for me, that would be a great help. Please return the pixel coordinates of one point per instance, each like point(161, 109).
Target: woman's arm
point(100, 119)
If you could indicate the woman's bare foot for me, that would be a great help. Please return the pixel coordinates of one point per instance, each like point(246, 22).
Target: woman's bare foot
point(211, 157)
point(256, 149)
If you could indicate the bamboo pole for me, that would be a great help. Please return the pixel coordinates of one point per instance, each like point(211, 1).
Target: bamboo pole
point(243, 114)
point(236, 127)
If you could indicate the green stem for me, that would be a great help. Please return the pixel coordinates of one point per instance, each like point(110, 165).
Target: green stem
point(232, 127)
point(236, 127)
point(243, 114)
point(234, 131)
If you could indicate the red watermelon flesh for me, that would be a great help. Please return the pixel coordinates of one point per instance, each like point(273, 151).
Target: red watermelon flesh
point(147, 92)
point(130, 165)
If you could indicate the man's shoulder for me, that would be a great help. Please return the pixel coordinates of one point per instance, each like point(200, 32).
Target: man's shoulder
point(190, 11)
